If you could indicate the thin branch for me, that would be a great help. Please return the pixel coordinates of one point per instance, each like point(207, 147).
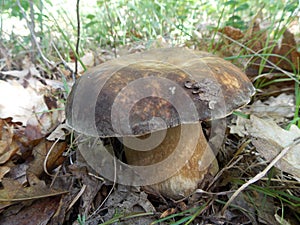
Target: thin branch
point(112, 31)
point(78, 37)
point(259, 175)
point(31, 29)
point(32, 23)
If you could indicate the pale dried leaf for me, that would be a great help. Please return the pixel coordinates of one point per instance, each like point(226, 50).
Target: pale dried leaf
point(274, 109)
point(16, 73)
point(3, 170)
point(18, 102)
point(8, 147)
point(9, 153)
point(269, 139)
point(238, 126)
point(277, 108)
point(88, 59)
point(58, 133)
point(34, 72)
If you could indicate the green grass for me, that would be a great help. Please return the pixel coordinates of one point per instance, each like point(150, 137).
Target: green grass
point(123, 217)
point(184, 217)
point(119, 22)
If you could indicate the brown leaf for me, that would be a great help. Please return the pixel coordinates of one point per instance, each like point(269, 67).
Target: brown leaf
point(40, 152)
point(288, 49)
point(7, 146)
point(256, 39)
point(232, 32)
point(40, 212)
point(13, 191)
point(92, 186)
point(17, 172)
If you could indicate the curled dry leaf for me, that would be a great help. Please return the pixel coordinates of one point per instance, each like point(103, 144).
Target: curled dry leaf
point(3, 170)
point(30, 107)
point(269, 139)
point(277, 109)
point(59, 132)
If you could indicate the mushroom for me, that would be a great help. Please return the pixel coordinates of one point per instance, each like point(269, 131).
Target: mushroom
point(154, 102)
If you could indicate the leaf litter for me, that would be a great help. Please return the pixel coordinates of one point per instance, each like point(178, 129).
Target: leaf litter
point(28, 115)
point(270, 139)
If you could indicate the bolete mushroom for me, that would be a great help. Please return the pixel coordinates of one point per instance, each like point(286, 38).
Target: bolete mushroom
point(154, 103)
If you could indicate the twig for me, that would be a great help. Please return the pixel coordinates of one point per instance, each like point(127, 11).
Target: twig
point(78, 38)
point(229, 165)
point(61, 58)
point(259, 175)
point(31, 29)
point(112, 31)
point(32, 23)
point(77, 197)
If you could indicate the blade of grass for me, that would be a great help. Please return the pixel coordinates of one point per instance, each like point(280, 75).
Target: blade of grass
point(188, 211)
point(120, 218)
point(68, 41)
point(281, 195)
point(297, 96)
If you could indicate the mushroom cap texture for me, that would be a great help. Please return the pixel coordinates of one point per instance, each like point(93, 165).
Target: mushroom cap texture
point(154, 90)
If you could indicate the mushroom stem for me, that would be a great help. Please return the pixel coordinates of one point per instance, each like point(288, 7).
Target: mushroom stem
point(193, 160)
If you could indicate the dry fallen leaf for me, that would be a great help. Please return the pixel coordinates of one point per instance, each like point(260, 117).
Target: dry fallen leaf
point(278, 108)
point(269, 139)
point(124, 200)
point(8, 147)
point(49, 151)
point(19, 103)
point(168, 212)
point(40, 212)
point(13, 191)
point(256, 39)
point(59, 132)
point(232, 32)
point(3, 170)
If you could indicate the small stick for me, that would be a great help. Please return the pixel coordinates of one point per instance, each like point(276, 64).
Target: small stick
point(259, 175)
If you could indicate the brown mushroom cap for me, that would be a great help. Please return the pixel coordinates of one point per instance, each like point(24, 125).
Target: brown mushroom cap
point(154, 90)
